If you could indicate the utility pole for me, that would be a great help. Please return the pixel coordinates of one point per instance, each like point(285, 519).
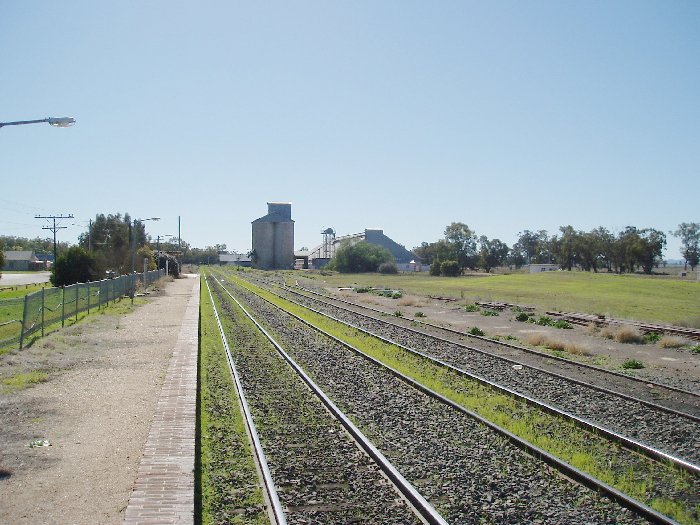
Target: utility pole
point(54, 229)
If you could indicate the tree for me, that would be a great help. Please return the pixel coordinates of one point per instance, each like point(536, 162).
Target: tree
point(649, 248)
point(689, 233)
point(110, 238)
point(435, 251)
point(492, 253)
point(2, 256)
point(463, 242)
point(565, 247)
point(360, 257)
point(75, 265)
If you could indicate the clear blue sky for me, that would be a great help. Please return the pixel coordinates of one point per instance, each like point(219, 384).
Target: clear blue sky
point(401, 115)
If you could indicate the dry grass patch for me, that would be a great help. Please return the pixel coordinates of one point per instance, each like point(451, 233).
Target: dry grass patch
point(553, 344)
point(669, 341)
point(407, 301)
point(622, 334)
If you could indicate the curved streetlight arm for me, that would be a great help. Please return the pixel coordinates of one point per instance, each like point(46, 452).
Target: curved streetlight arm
point(58, 122)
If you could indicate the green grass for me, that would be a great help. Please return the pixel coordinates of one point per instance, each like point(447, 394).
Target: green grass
point(622, 296)
point(23, 380)
point(579, 448)
point(226, 476)
point(20, 290)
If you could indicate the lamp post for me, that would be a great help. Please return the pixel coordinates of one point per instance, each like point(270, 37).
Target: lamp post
point(57, 122)
point(132, 234)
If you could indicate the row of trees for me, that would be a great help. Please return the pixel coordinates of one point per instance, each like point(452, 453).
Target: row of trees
point(628, 251)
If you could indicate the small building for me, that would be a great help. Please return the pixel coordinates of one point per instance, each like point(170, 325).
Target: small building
point(234, 259)
point(273, 238)
point(537, 268)
point(21, 261)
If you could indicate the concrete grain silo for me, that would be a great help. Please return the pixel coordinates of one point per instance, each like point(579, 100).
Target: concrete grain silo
point(273, 238)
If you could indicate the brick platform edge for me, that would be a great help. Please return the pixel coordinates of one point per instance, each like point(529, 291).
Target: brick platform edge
point(164, 489)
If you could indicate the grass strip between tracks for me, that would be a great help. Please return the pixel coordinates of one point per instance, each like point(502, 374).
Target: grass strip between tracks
point(228, 486)
point(662, 487)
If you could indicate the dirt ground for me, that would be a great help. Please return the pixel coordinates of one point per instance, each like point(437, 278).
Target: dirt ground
point(94, 411)
point(677, 367)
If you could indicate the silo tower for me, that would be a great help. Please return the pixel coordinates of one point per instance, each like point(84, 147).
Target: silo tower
point(328, 239)
point(273, 238)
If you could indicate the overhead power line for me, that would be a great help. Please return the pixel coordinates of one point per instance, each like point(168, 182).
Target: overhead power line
point(54, 229)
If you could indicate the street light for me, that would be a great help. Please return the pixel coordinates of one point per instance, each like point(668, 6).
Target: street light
point(57, 122)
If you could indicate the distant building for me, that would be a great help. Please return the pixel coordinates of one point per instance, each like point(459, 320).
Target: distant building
point(21, 261)
point(273, 238)
point(234, 259)
point(537, 268)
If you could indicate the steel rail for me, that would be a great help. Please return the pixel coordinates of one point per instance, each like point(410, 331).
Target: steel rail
point(424, 509)
point(507, 345)
point(562, 466)
point(584, 423)
point(527, 350)
point(275, 509)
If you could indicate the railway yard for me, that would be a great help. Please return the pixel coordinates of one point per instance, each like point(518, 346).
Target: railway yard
point(360, 416)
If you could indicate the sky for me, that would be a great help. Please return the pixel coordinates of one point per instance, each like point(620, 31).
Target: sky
point(401, 115)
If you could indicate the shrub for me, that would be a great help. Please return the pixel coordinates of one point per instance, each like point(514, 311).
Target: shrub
point(362, 289)
point(672, 342)
point(626, 334)
point(475, 331)
point(75, 265)
point(396, 295)
point(522, 317)
point(360, 257)
point(407, 301)
point(388, 268)
point(450, 268)
point(398, 313)
point(544, 321)
point(632, 364)
point(471, 308)
point(557, 346)
point(652, 337)
point(489, 313)
point(435, 268)
point(695, 349)
point(561, 323)
point(419, 314)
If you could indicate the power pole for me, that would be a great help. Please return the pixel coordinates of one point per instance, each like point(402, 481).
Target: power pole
point(54, 229)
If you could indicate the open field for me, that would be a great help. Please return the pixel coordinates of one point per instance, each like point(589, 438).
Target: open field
point(623, 296)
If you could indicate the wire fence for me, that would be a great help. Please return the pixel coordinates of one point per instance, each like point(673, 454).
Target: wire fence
point(36, 312)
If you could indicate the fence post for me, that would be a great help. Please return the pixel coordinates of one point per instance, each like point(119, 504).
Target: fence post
point(42, 311)
point(77, 298)
point(88, 298)
point(63, 309)
point(24, 317)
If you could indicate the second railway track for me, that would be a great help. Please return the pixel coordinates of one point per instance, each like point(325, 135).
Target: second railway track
point(442, 481)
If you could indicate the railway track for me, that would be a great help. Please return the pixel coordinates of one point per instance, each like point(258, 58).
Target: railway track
point(656, 430)
point(315, 468)
point(463, 466)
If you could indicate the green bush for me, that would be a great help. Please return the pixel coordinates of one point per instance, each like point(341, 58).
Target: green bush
point(489, 313)
point(522, 317)
point(695, 349)
point(75, 265)
point(651, 337)
point(360, 257)
point(475, 331)
point(388, 268)
point(435, 268)
point(471, 308)
point(450, 268)
point(560, 323)
point(419, 314)
point(632, 364)
point(396, 295)
point(544, 321)
point(398, 313)
point(363, 289)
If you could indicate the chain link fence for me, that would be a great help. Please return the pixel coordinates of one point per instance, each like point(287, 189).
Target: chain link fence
point(50, 306)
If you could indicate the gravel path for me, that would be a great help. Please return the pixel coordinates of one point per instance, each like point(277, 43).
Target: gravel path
point(95, 410)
